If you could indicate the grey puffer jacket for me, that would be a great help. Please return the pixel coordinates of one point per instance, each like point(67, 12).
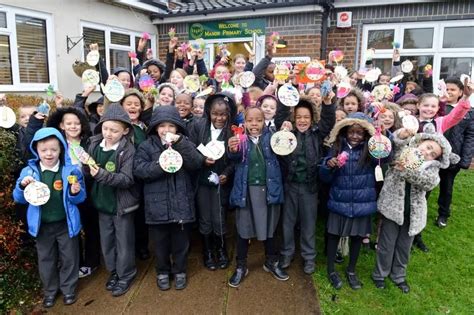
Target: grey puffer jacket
point(391, 202)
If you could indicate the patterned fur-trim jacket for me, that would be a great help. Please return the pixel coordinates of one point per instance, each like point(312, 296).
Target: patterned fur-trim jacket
point(391, 201)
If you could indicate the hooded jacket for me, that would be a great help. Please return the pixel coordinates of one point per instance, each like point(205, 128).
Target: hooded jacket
point(127, 193)
point(70, 201)
point(391, 202)
point(169, 197)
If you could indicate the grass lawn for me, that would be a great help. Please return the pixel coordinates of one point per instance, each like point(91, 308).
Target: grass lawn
point(441, 281)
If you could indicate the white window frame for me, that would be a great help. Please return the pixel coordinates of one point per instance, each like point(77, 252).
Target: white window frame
point(107, 29)
point(10, 31)
point(436, 50)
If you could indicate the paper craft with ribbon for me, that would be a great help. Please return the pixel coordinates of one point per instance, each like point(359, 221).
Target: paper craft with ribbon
point(214, 149)
point(92, 58)
point(7, 117)
point(114, 90)
point(288, 95)
point(283, 142)
point(37, 193)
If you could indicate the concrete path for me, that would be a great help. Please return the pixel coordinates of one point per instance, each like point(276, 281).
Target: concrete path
point(207, 291)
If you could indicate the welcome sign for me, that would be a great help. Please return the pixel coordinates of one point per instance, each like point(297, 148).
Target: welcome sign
point(226, 29)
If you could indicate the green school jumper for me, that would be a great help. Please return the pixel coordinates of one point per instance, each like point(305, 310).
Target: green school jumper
point(53, 210)
point(103, 196)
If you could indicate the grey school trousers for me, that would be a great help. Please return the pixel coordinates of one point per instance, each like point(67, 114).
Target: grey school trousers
point(58, 258)
point(300, 205)
point(117, 239)
point(393, 251)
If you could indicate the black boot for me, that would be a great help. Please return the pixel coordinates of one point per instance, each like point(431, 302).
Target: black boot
point(239, 274)
point(207, 256)
point(418, 242)
point(222, 257)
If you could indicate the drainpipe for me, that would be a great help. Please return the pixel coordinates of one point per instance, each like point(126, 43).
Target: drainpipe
point(324, 31)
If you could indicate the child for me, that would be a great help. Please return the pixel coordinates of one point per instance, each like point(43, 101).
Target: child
point(57, 223)
point(114, 196)
point(264, 70)
point(315, 94)
point(268, 104)
point(408, 103)
point(388, 118)
point(352, 197)
point(184, 104)
point(403, 204)
point(257, 194)
point(177, 77)
point(169, 197)
point(352, 102)
point(300, 168)
point(198, 106)
point(340, 115)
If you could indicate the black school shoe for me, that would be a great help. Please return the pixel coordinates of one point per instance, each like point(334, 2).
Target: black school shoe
point(277, 272)
point(49, 300)
point(111, 281)
point(353, 280)
point(239, 274)
point(418, 242)
point(122, 287)
point(163, 282)
point(180, 281)
point(335, 280)
point(441, 222)
point(403, 286)
point(379, 284)
point(69, 299)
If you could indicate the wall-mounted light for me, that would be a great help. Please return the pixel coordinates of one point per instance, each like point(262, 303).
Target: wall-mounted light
point(281, 43)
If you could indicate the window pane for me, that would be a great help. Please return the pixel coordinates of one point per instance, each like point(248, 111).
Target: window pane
point(3, 20)
point(455, 67)
point(92, 36)
point(419, 62)
point(119, 58)
point(385, 65)
point(380, 39)
point(418, 38)
point(5, 61)
point(458, 37)
point(32, 49)
point(119, 39)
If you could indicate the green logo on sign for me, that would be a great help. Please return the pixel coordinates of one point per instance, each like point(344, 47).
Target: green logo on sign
point(197, 30)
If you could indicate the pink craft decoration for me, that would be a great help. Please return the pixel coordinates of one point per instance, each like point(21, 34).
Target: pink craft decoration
point(342, 158)
point(342, 91)
point(132, 54)
point(336, 56)
point(240, 133)
point(146, 83)
point(145, 36)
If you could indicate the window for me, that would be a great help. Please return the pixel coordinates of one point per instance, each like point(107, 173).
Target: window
point(26, 46)
point(114, 44)
point(448, 46)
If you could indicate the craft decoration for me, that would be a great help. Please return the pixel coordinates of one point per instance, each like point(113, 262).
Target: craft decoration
point(372, 75)
point(191, 83)
point(90, 78)
point(114, 90)
point(288, 95)
point(411, 158)
point(170, 160)
point(326, 88)
point(78, 154)
point(223, 49)
point(214, 149)
point(37, 193)
point(246, 79)
point(343, 89)
point(340, 72)
point(379, 146)
point(205, 92)
point(381, 92)
point(407, 66)
point(342, 158)
point(315, 71)
point(281, 72)
point(336, 56)
point(396, 78)
point(283, 142)
point(50, 90)
point(411, 123)
point(395, 45)
point(239, 132)
point(79, 67)
point(146, 83)
point(7, 117)
point(441, 89)
point(44, 108)
point(145, 36)
point(93, 57)
point(72, 179)
point(172, 32)
point(225, 81)
point(132, 55)
point(395, 88)
point(370, 54)
point(428, 69)
point(275, 37)
point(213, 178)
point(463, 78)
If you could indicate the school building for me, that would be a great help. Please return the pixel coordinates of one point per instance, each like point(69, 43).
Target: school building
point(39, 40)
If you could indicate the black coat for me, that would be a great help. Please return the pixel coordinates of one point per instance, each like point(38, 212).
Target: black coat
point(169, 198)
point(461, 138)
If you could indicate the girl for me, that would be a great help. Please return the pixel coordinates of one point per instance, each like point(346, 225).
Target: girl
point(352, 102)
point(176, 78)
point(212, 196)
point(198, 106)
point(268, 104)
point(388, 118)
point(352, 196)
point(184, 104)
point(315, 94)
point(257, 194)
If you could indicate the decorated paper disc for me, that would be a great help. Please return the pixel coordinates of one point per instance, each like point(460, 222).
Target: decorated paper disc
point(90, 77)
point(246, 79)
point(411, 123)
point(281, 72)
point(381, 92)
point(217, 148)
point(146, 83)
point(379, 146)
point(170, 160)
point(343, 89)
point(283, 142)
point(407, 66)
point(396, 78)
point(315, 71)
point(7, 117)
point(288, 95)
point(372, 75)
point(114, 90)
point(205, 92)
point(93, 58)
point(441, 88)
point(336, 55)
point(340, 72)
point(37, 193)
point(411, 158)
point(191, 83)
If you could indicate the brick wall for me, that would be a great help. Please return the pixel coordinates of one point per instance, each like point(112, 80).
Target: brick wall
point(344, 40)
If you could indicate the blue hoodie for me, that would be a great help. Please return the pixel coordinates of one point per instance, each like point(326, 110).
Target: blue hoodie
point(70, 201)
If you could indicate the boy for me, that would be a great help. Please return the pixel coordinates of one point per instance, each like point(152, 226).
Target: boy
point(114, 195)
point(55, 224)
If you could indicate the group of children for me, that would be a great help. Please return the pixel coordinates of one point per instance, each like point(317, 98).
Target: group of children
point(138, 163)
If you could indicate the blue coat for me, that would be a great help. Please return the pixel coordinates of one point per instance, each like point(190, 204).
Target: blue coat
point(352, 192)
point(70, 201)
point(275, 195)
